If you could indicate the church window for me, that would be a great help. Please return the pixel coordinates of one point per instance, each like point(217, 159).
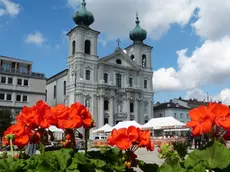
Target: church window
point(106, 105)
point(118, 80)
point(143, 60)
point(87, 74)
point(106, 77)
point(118, 61)
point(64, 87)
point(132, 57)
point(131, 108)
point(146, 120)
point(87, 46)
point(46, 96)
point(106, 121)
point(130, 82)
point(55, 91)
point(145, 83)
point(73, 47)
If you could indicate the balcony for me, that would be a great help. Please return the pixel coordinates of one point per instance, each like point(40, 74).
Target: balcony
point(18, 72)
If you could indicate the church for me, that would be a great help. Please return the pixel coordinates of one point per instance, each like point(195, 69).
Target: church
point(116, 87)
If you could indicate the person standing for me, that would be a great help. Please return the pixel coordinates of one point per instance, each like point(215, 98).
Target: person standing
point(189, 139)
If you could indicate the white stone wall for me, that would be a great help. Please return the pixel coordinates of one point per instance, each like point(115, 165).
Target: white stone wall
point(60, 97)
point(179, 114)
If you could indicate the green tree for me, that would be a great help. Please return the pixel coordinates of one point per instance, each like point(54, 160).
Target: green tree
point(5, 120)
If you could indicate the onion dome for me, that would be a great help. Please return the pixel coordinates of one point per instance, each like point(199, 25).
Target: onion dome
point(83, 17)
point(137, 34)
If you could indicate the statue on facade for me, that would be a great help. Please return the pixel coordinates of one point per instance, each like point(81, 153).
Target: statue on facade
point(146, 107)
point(119, 107)
point(87, 103)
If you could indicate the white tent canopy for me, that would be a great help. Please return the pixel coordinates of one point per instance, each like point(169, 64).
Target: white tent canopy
point(103, 129)
point(55, 129)
point(163, 123)
point(124, 124)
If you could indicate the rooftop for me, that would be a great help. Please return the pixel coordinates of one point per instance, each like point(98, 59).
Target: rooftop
point(169, 105)
point(6, 58)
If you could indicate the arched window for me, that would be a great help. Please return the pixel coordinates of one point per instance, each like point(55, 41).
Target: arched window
point(73, 47)
point(64, 87)
point(131, 107)
point(55, 91)
point(132, 57)
point(87, 74)
point(143, 60)
point(87, 46)
point(106, 105)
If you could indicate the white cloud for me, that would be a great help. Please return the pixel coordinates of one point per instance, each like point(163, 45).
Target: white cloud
point(35, 38)
point(207, 65)
point(213, 18)
point(9, 8)
point(116, 18)
point(223, 96)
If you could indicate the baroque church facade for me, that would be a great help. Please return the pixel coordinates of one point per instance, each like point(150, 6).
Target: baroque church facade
point(115, 88)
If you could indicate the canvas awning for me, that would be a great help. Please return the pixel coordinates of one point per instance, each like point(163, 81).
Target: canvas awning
point(125, 124)
point(103, 128)
point(163, 123)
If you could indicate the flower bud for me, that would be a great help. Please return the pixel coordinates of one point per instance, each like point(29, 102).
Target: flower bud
point(10, 137)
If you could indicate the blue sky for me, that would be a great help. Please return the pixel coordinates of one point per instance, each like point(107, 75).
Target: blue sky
point(35, 31)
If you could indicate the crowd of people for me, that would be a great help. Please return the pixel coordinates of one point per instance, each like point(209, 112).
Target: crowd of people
point(197, 141)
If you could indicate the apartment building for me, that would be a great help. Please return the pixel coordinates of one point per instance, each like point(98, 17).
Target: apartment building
point(19, 86)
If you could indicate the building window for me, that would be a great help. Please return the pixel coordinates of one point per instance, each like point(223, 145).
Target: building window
point(175, 115)
point(106, 121)
point(106, 77)
point(55, 91)
point(118, 61)
point(106, 105)
point(26, 82)
point(46, 96)
point(10, 80)
point(2, 96)
point(87, 74)
point(145, 83)
point(143, 60)
point(132, 57)
point(8, 96)
point(131, 107)
point(130, 82)
point(18, 98)
point(118, 80)
point(146, 120)
point(3, 79)
point(24, 98)
point(64, 87)
point(19, 81)
point(181, 115)
point(73, 47)
point(87, 46)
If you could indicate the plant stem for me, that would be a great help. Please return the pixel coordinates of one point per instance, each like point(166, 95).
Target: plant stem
point(11, 148)
point(86, 141)
point(42, 147)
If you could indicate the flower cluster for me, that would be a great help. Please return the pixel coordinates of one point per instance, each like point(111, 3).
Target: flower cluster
point(129, 138)
point(33, 121)
point(165, 150)
point(214, 119)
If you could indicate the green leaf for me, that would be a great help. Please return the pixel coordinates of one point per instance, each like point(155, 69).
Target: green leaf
point(98, 170)
point(97, 163)
point(6, 163)
point(171, 167)
point(148, 167)
point(116, 151)
point(199, 168)
point(216, 155)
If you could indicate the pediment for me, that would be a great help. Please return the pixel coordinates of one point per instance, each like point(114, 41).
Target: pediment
point(119, 59)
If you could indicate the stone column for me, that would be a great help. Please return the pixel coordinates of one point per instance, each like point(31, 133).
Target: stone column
point(136, 110)
point(111, 117)
point(100, 114)
point(128, 108)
